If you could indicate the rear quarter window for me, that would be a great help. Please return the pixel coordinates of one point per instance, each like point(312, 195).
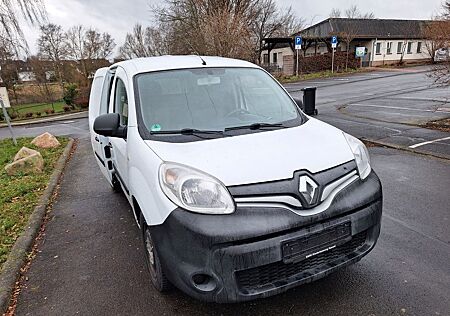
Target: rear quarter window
point(95, 97)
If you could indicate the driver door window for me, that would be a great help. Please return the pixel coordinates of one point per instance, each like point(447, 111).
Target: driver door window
point(121, 101)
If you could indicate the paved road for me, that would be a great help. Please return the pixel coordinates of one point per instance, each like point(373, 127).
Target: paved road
point(91, 260)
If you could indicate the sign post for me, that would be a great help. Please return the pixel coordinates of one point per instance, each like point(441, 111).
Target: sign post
point(4, 96)
point(333, 46)
point(360, 52)
point(298, 46)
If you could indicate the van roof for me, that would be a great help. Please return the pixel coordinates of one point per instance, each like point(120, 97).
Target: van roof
point(168, 62)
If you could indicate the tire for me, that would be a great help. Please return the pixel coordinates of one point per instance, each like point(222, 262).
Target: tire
point(153, 263)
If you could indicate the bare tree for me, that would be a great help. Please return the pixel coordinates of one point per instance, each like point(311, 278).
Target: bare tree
point(227, 34)
point(88, 43)
point(52, 46)
point(436, 34)
point(271, 21)
point(32, 11)
point(43, 80)
point(405, 43)
point(291, 22)
point(230, 28)
point(347, 35)
point(98, 46)
point(350, 29)
point(335, 13)
point(354, 13)
point(88, 47)
point(446, 10)
point(440, 35)
point(9, 73)
point(188, 19)
point(144, 42)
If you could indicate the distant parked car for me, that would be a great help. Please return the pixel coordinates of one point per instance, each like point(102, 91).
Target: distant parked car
point(238, 194)
point(442, 54)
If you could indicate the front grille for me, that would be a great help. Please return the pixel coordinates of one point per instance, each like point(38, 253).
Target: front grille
point(257, 278)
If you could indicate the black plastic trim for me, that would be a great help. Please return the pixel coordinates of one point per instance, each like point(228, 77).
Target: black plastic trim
point(99, 159)
point(116, 172)
point(291, 186)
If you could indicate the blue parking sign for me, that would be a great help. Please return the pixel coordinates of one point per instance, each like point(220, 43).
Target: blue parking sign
point(333, 39)
point(298, 42)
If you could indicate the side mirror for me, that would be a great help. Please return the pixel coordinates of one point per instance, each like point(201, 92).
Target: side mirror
point(299, 103)
point(109, 125)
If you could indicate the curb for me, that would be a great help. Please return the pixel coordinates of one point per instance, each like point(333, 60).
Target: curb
point(19, 252)
point(55, 118)
point(407, 149)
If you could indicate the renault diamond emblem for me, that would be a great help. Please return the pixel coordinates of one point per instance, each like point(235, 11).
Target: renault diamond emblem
point(308, 188)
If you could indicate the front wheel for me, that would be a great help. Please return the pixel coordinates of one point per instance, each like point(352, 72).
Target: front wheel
point(154, 266)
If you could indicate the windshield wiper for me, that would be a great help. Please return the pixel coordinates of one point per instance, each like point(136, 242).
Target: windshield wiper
point(189, 131)
point(255, 126)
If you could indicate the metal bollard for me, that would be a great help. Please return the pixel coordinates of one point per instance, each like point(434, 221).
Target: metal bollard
point(309, 100)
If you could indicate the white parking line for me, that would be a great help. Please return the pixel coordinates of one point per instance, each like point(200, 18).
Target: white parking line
point(428, 142)
point(395, 108)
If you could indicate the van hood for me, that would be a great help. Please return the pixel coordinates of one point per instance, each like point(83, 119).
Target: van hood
point(261, 157)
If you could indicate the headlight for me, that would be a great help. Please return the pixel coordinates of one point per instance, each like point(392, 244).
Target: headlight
point(194, 190)
point(361, 155)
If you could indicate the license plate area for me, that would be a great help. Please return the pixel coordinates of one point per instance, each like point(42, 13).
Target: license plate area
point(301, 248)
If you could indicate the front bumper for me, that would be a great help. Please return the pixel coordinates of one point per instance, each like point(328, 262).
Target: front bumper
point(242, 255)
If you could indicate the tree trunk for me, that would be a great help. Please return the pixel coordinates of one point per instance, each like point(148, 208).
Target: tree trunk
point(346, 59)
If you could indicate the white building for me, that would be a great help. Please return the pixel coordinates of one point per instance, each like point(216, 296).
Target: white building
point(386, 41)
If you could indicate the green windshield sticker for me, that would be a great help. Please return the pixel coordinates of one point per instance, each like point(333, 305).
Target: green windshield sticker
point(155, 128)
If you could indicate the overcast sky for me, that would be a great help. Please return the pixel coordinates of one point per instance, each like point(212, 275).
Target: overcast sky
point(118, 16)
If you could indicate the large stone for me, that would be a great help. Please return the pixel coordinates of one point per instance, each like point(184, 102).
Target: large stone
point(28, 165)
point(24, 152)
point(46, 140)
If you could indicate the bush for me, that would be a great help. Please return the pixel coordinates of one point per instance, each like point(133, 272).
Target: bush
point(67, 108)
point(29, 114)
point(49, 111)
point(82, 102)
point(323, 62)
point(13, 115)
point(70, 93)
point(38, 114)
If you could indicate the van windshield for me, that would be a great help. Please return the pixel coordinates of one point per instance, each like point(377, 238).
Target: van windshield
point(213, 100)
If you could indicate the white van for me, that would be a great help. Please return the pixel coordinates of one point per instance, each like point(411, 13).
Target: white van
point(238, 193)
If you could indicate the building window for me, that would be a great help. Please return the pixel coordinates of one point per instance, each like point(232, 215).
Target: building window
point(399, 47)
point(389, 48)
point(378, 49)
point(409, 51)
point(419, 47)
point(275, 58)
point(265, 59)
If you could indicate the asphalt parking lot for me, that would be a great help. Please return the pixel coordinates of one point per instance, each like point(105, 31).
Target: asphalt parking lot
point(387, 106)
point(91, 262)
